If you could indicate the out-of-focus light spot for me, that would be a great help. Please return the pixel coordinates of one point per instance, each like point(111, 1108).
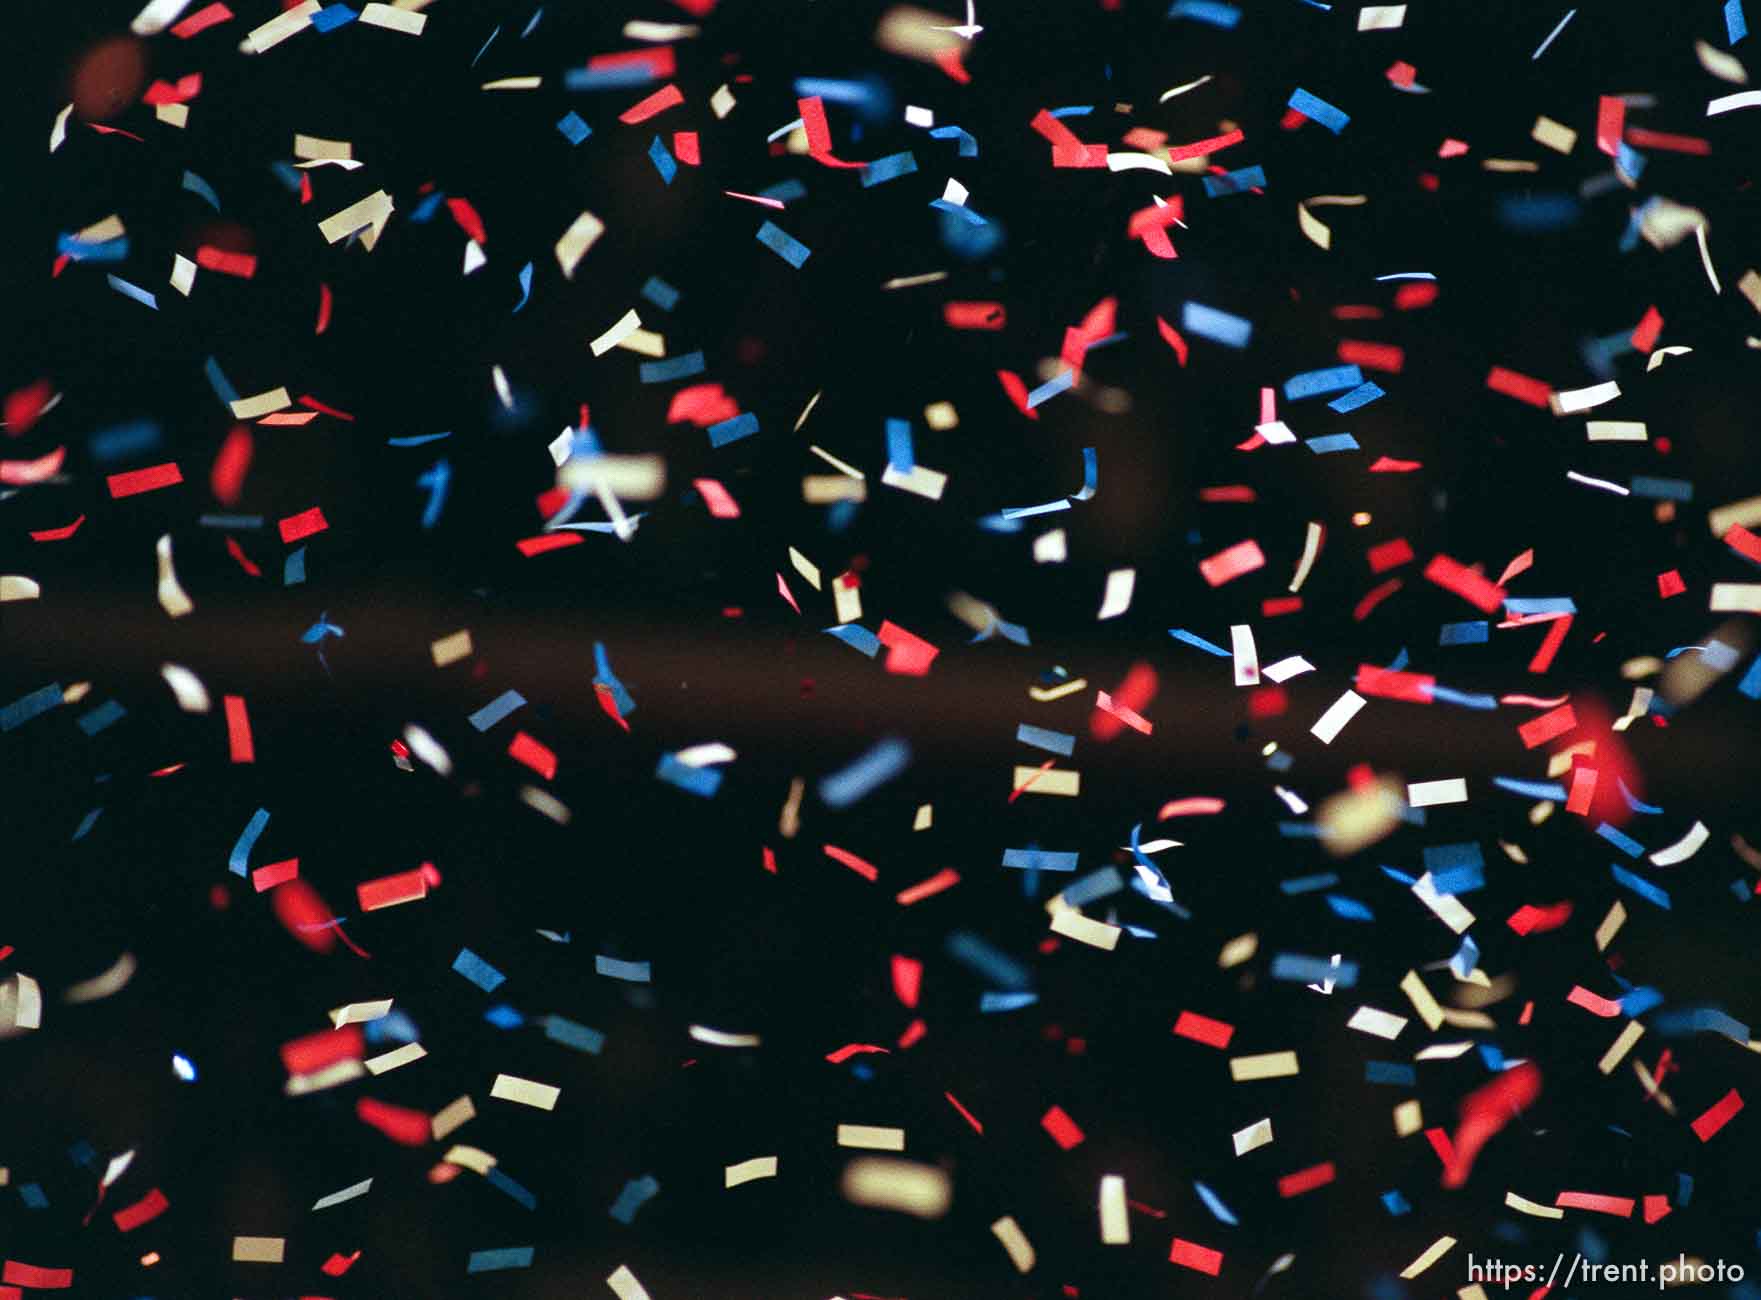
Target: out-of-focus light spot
point(108, 78)
point(1361, 518)
point(183, 1067)
point(149, 1259)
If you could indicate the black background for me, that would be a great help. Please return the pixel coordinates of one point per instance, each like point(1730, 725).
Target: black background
point(647, 872)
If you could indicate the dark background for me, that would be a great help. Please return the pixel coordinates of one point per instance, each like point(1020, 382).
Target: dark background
point(647, 872)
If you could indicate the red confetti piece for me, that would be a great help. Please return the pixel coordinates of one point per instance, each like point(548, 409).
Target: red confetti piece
point(339, 1264)
point(1202, 148)
point(305, 524)
point(38, 1279)
point(1134, 694)
point(914, 1033)
point(1583, 791)
point(183, 91)
point(1524, 389)
point(848, 1050)
point(1656, 1207)
point(534, 754)
point(1594, 1003)
point(145, 1210)
point(1610, 121)
point(975, 315)
point(1486, 1111)
point(965, 1114)
point(151, 479)
point(326, 1047)
point(1130, 717)
point(200, 21)
point(307, 400)
point(1390, 555)
point(1718, 1115)
point(1640, 138)
point(1646, 332)
point(58, 534)
point(1276, 605)
point(1231, 562)
point(1196, 805)
point(101, 129)
point(243, 265)
point(608, 703)
point(720, 502)
point(1392, 684)
point(1172, 336)
point(1619, 1206)
point(231, 463)
point(1556, 722)
point(389, 891)
point(1389, 465)
point(1306, 1180)
point(24, 405)
point(1472, 587)
point(1669, 583)
point(686, 148)
point(1200, 1259)
point(1233, 494)
point(819, 133)
point(661, 100)
point(1202, 1029)
point(1374, 597)
point(324, 305)
point(464, 215)
point(657, 62)
point(1372, 356)
point(702, 404)
point(908, 655)
point(530, 546)
point(946, 878)
point(1061, 1128)
point(1550, 644)
point(238, 730)
point(861, 866)
point(1529, 919)
point(275, 873)
point(1017, 391)
point(907, 979)
point(406, 1127)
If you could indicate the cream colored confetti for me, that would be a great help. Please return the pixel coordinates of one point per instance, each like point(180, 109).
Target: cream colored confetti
point(288, 23)
point(1523, 1205)
point(867, 1137)
point(451, 648)
point(310, 147)
point(452, 1116)
point(1434, 1252)
point(581, 235)
point(1267, 1065)
point(1115, 1216)
point(1555, 135)
point(1618, 1049)
point(393, 1059)
point(884, 1183)
point(1380, 1024)
point(510, 1087)
point(626, 325)
point(172, 597)
point(1256, 1135)
point(1409, 1118)
point(749, 1170)
point(394, 20)
point(1610, 926)
point(1015, 1242)
point(259, 1250)
point(625, 1286)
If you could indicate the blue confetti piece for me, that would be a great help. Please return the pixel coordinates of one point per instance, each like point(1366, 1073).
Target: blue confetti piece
point(1736, 25)
point(1459, 880)
point(991, 1003)
point(33, 705)
point(1684, 1188)
point(1636, 804)
point(319, 630)
point(1362, 395)
point(491, 1261)
point(248, 522)
point(497, 709)
point(884, 761)
point(218, 382)
point(1530, 789)
point(1058, 383)
point(573, 127)
point(743, 425)
point(560, 1029)
point(104, 715)
point(1661, 489)
point(1441, 857)
point(478, 971)
point(1316, 383)
point(1194, 639)
point(603, 675)
point(532, 22)
point(394, 1027)
point(631, 972)
point(435, 478)
point(500, 1181)
point(424, 211)
point(1313, 970)
point(1403, 1076)
point(1212, 13)
point(612, 78)
point(680, 367)
point(1444, 695)
point(1629, 160)
point(1399, 877)
point(700, 781)
point(1349, 909)
point(122, 441)
point(329, 18)
point(959, 210)
point(1239, 181)
point(1073, 110)
point(1640, 886)
point(1466, 957)
point(637, 1193)
point(1331, 442)
point(525, 288)
point(1533, 214)
point(1091, 476)
point(856, 636)
point(1398, 662)
point(660, 293)
point(82, 1154)
point(1308, 884)
point(293, 569)
point(786, 191)
point(1024, 512)
point(784, 245)
point(1395, 1203)
point(968, 146)
point(1215, 1205)
point(504, 1017)
point(486, 44)
point(1094, 886)
point(33, 1196)
point(1040, 859)
point(900, 452)
point(1514, 605)
point(662, 160)
point(134, 291)
point(893, 166)
point(416, 439)
point(1299, 830)
point(1217, 326)
point(1053, 742)
point(1471, 633)
point(987, 960)
point(1490, 1054)
point(1713, 1021)
point(86, 823)
point(1319, 110)
point(247, 840)
point(1751, 682)
point(1620, 839)
point(199, 187)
